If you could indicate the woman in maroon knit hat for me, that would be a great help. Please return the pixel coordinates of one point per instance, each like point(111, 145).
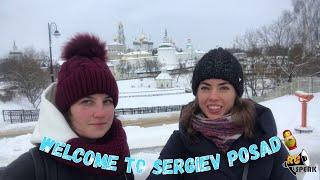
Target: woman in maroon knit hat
point(78, 110)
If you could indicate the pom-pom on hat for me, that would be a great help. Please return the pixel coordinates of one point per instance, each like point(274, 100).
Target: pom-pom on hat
point(85, 72)
point(218, 64)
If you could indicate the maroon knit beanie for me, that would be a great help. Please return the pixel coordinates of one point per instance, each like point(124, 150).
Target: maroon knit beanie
point(85, 72)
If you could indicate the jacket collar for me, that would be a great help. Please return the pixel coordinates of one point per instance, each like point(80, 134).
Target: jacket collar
point(265, 120)
point(51, 122)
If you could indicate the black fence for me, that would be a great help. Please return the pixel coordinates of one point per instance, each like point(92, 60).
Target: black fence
point(20, 116)
point(146, 110)
point(149, 95)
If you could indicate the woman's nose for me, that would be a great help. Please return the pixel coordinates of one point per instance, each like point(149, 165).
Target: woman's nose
point(214, 94)
point(100, 111)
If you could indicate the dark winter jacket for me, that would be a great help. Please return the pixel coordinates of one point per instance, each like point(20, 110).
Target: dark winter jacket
point(24, 168)
point(270, 167)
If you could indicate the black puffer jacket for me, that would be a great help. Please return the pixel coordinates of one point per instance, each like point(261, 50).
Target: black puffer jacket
point(24, 168)
point(270, 167)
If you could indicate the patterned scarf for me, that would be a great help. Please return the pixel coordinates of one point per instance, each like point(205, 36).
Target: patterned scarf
point(114, 142)
point(222, 132)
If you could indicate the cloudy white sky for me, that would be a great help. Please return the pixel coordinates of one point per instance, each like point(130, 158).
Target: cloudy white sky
point(209, 23)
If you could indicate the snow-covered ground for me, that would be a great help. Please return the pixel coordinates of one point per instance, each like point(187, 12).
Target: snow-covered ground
point(132, 94)
point(151, 101)
point(287, 112)
point(147, 84)
point(143, 93)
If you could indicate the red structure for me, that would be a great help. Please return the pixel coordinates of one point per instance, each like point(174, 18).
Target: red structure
point(304, 98)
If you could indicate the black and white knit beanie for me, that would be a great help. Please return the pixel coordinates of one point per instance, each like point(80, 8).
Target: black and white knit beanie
point(218, 64)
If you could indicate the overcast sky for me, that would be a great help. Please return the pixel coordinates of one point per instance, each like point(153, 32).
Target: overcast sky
point(208, 23)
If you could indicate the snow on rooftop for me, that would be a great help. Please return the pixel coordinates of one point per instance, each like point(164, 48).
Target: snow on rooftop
point(138, 53)
point(303, 93)
point(115, 43)
point(164, 75)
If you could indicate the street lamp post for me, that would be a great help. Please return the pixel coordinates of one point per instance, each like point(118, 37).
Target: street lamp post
point(52, 27)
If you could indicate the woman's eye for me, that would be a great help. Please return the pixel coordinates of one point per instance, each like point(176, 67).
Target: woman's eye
point(87, 102)
point(108, 101)
point(204, 88)
point(224, 88)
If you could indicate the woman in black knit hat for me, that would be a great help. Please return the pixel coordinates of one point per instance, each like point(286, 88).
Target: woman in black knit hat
point(218, 121)
point(78, 114)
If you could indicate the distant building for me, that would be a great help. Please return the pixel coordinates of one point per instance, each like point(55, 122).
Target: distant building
point(137, 55)
point(142, 44)
point(164, 80)
point(118, 47)
point(172, 59)
point(167, 53)
point(115, 50)
point(138, 59)
point(189, 56)
point(15, 54)
point(121, 38)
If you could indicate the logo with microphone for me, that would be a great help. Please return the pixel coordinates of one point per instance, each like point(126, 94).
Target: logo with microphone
point(299, 163)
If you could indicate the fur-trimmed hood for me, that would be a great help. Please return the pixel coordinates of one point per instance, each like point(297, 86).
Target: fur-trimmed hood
point(51, 122)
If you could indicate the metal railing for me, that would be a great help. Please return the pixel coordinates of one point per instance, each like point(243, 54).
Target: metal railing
point(306, 84)
point(20, 116)
point(145, 110)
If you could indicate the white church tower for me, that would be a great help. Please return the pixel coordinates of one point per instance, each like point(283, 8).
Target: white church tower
point(167, 53)
point(121, 38)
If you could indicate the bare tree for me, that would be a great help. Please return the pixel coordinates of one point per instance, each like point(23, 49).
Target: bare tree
point(27, 76)
point(286, 48)
point(253, 64)
point(308, 20)
point(121, 67)
point(251, 75)
point(151, 65)
point(291, 60)
point(308, 25)
point(124, 68)
point(181, 69)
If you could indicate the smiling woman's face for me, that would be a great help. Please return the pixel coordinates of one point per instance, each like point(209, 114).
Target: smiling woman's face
point(91, 117)
point(216, 97)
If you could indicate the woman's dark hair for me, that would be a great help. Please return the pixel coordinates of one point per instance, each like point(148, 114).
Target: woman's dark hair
point(243, 113)
point(67, 115)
